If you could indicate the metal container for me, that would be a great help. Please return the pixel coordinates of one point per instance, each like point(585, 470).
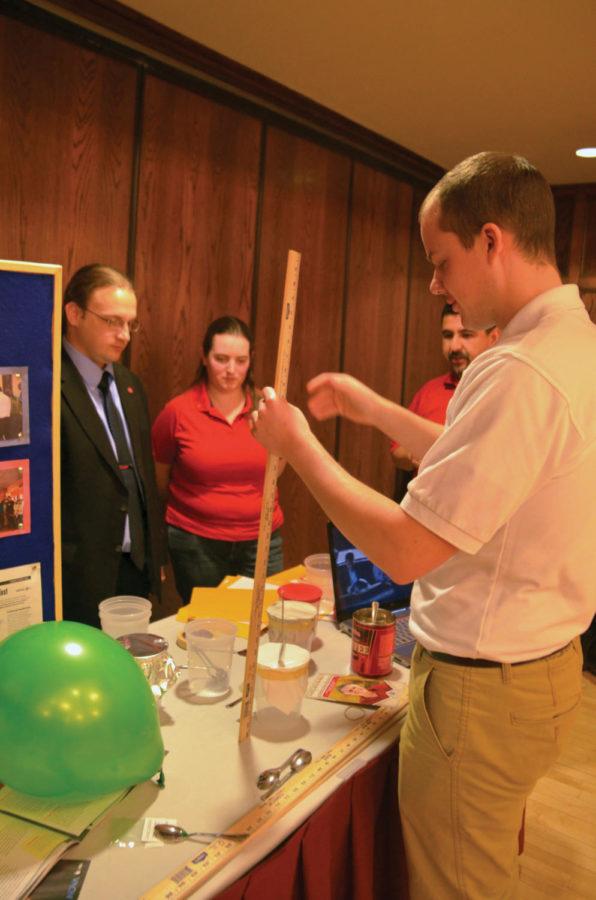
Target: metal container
point(151, 653)
point(372, 642)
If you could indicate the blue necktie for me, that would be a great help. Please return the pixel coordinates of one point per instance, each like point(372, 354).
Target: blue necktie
point(128, 474)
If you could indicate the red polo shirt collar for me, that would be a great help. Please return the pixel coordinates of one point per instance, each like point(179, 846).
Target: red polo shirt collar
point(205, 405)
point(449, 382)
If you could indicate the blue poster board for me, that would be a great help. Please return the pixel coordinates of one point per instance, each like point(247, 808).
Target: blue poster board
point(30, 303)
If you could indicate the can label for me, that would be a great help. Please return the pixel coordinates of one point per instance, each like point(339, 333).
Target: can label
point(372, 643)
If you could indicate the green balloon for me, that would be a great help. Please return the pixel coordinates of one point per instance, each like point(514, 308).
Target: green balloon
point(77, 716)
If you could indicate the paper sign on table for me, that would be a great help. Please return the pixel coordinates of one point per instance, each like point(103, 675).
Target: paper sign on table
point(350, 689)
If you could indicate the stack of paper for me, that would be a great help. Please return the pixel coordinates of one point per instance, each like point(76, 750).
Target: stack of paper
point(28, 854)
point(36, 831)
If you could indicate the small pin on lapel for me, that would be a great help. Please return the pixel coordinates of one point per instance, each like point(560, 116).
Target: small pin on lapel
point(130, 390)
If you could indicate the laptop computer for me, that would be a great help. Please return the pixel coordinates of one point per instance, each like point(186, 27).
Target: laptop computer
point(357, 582)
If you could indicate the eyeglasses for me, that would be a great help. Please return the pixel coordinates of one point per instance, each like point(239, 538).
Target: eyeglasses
point(116, 324)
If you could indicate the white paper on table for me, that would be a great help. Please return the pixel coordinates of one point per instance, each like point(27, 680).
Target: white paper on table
point(245, 583)
point(27, 853)
point(71, 818)
point(148, 835)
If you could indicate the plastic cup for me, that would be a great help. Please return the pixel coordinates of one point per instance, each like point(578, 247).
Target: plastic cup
point(279, 689)
point(210, 644)
point(318, 572)
point(124, 615)
point(292, 622)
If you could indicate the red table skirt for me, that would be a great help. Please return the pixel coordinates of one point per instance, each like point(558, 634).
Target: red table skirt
point(349, 849)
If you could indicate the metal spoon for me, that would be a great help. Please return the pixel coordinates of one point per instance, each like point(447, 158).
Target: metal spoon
point(176, 833)
point(218, 675)
point(215, 672)
point(270, 778)
point(303, 761)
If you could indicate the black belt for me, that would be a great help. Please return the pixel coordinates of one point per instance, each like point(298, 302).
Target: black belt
point(480, 663)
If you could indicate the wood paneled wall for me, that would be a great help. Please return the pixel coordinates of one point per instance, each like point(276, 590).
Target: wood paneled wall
point(200, 198)
point(305, 208)
point(196, 228)
point(66, 150)
point(576, 239)
point(424, 358)
point(375, 316)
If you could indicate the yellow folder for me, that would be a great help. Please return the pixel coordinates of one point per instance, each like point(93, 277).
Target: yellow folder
point(235, 604)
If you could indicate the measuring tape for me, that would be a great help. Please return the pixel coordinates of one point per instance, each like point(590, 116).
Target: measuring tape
point(282, 370)
point(197, 870)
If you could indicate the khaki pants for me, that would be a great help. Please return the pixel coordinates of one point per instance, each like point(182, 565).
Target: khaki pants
point(474, 744)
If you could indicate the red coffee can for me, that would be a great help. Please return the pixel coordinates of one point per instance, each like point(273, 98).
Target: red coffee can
point(372, 642)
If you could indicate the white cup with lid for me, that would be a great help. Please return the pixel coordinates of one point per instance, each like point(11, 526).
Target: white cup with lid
point(280, 687)
point(293, 622)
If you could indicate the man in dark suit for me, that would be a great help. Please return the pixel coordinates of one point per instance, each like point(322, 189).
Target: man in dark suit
point(112, 535)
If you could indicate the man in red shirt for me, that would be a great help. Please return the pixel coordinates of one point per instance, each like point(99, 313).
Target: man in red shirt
point(460, 346)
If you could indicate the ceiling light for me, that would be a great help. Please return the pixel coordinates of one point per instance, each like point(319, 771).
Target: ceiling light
point(586, 151)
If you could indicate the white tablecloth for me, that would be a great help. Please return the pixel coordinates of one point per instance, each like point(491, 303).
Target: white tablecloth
point(210, 779)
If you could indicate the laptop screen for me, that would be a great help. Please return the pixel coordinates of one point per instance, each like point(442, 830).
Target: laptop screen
point(357, 581)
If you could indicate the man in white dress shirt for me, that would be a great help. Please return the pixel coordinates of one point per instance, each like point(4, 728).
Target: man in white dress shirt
point(497, 528)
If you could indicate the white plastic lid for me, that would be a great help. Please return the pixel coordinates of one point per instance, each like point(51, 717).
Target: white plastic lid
point(294, 657)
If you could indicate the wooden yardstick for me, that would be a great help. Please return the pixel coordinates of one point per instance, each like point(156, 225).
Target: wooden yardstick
point(282, 369)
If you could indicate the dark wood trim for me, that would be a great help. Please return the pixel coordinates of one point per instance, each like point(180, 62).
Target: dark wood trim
point(588, 187)
point(254, 304)
point(414, 236)
point(136, 168)
point(134, 192)
point(578, 237)
point(258, 88)
point(347, 267)
point(344, 300)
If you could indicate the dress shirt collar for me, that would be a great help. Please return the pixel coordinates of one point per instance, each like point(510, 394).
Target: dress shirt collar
point(564, 298)
point(89, 371)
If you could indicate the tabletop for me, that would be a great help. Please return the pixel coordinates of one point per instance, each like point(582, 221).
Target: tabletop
point(210, 778)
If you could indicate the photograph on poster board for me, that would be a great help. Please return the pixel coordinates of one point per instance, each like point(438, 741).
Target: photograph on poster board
point(15, 504)
point(14, 405)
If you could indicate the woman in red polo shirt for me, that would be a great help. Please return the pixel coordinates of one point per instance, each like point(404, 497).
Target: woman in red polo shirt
point(213, 468)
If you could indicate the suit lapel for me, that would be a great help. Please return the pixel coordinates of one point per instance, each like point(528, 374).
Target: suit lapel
point(75, 395)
